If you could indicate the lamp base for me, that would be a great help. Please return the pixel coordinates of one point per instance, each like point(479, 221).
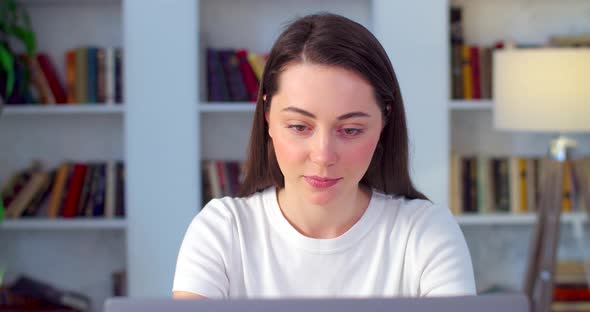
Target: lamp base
point(561, 148)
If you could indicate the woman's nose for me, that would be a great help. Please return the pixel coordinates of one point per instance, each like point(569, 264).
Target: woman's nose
point(323, 149)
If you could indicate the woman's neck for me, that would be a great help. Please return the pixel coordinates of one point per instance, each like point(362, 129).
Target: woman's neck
point(324, 221)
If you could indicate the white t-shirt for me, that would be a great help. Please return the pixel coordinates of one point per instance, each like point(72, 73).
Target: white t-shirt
point(246, 248)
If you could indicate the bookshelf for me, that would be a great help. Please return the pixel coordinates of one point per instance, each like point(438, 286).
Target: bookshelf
point(162, 102)
point(499, 243)
point(72, 254)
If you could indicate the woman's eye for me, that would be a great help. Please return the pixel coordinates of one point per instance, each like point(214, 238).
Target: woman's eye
point(298, 128)
point(352, 131)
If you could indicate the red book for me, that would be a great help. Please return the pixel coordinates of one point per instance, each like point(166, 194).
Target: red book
point(70, 206)
point(571, 293)
point(71, 76)
point(248, 75)
point(51, 75)
point(476, 72)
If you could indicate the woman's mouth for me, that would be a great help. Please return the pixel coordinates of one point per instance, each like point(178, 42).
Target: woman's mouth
point(321, 182)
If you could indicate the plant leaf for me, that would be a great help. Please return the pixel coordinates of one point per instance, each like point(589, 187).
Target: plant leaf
point(7, 63)
point(27, 37)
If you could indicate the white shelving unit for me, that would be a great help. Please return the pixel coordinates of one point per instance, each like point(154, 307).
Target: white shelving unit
point(77, 109)
point(63, 224)
point(471, 105)
point(227, 107)
point(78, 254)
point(515, 219)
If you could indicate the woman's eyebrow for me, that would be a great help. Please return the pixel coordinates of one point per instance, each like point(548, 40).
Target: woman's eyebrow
point(310, 115)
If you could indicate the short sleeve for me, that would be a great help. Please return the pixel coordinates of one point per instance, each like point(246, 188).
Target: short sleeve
point(443, 262)
point(205, 253)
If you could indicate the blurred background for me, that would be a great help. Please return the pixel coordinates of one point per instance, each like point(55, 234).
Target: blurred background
point(122, 117)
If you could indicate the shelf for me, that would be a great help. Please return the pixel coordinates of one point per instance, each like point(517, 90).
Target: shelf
point(64, 224)
point(514, 219)
point(470, 105)
point(94, 109)
point(227, 107)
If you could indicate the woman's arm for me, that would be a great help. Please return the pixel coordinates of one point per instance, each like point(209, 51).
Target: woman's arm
point(441, 256)
point(204, 255)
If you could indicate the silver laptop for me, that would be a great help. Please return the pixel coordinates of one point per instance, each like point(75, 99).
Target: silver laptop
point(486, 303)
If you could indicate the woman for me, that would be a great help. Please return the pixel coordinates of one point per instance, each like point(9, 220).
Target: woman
point(328, 208)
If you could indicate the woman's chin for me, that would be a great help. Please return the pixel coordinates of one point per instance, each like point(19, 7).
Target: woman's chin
point(322, 196)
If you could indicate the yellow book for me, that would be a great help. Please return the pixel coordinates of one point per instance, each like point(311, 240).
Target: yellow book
point(257, 62)
point(57, 190)
point(514, 184)
point(456, 180)
point(467, 73)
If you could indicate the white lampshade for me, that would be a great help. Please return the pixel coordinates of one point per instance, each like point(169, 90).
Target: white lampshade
point(544, 90)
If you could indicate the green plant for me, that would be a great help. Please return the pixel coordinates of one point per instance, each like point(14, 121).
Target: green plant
point(15, 23)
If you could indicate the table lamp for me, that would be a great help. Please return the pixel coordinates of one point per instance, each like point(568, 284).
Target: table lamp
point(544, 90)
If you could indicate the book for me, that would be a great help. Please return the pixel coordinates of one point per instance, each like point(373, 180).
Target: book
point(53, 79)
point(455, 188)
point(40, 199)
point(217, 88)
point(110, 190)
point(118, 55)
point(120, 189)
point(257, 63)
point(248, 75)
point(101, 75)
point(24, 198)
point(109, 76)
point(40, 81)
point(70, 62)
point(74, 188)
point(514, 185)
point(475, 72)
point(457, 72)
point(467, 72)
point(483, 184)
point(81, 75)
point(84, 193)
point(92, 74)
point(57, 190)
point(485, 72)
point(35, 288)
point(233, 75)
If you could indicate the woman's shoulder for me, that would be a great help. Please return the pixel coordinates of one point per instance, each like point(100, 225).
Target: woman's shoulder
point(409, 210)
point(237, 207)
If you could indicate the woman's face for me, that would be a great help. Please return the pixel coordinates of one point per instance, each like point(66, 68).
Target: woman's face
point(324, 123)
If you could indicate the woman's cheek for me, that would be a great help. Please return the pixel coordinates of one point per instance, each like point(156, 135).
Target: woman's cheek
point(288, 151)
point(360, 155)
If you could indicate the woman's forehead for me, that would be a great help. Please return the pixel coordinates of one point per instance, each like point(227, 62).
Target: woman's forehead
point(320, 87)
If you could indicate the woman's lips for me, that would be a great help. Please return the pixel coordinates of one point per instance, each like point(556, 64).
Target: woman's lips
point(321, 182)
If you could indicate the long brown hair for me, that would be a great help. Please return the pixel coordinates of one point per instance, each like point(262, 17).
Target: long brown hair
point(333, 40)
